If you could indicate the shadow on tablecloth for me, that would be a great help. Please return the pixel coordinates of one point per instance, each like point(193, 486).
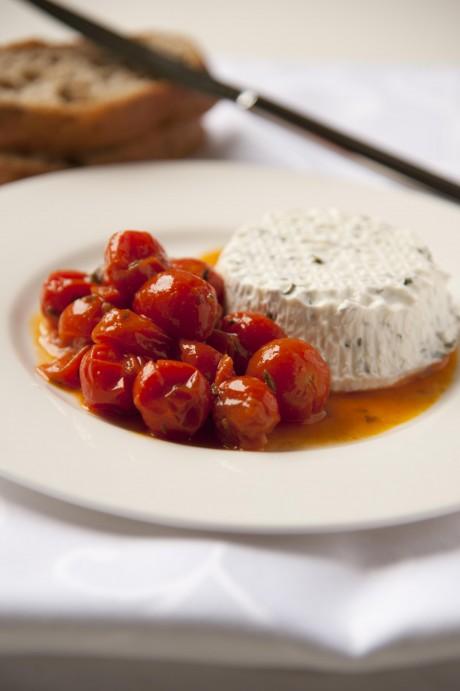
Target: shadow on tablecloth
point(33, 673)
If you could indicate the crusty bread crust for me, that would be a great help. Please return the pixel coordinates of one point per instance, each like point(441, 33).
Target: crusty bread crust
point(68, 129)
point(14, 167)
point(174, 140)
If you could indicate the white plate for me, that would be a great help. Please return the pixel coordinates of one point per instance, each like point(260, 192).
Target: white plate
point(53, 445)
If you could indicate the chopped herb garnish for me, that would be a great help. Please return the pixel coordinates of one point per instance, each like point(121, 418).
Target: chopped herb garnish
point(371, 418)
point(408, 281)
point(318, 260)
point(97, 276)
point(359, 341)
point(347, 344)
point(268, 379)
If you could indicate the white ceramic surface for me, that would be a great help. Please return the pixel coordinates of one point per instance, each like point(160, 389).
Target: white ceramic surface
point(51, 444)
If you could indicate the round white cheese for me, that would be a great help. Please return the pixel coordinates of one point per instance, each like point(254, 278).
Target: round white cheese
point(367, 295)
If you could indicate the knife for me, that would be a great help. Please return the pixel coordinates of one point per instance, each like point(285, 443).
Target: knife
point(160, 66)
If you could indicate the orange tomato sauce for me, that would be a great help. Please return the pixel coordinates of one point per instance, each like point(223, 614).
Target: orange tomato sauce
point(349, 416)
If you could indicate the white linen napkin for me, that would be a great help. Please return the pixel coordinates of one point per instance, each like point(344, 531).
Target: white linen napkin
point(76, 582)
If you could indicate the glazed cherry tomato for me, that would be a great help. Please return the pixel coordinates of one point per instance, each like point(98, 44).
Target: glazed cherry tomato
point(182, 304)
point(107, 379)
point(224, 371)
point(253, 329)
point(173, 398)
point(229, 344)
point(200, 355)
point(110, 294)
point(296, 373)
point(245, 412)
point(204, 271)
point(60, 289)
point(79, 319)
point(129, 332)
point(65, 370)
point(131, 258)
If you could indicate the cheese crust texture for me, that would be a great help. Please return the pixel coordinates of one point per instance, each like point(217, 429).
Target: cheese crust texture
point(366, 294)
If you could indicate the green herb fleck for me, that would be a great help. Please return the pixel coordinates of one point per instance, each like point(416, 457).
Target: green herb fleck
point(268, 379)
point(408, 281)
point(371, 418)
point(97, 276)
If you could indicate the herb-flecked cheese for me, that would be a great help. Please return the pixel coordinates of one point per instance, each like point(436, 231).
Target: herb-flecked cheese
point(366, 294)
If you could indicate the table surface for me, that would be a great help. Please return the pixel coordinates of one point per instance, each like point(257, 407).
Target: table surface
point(365, 30)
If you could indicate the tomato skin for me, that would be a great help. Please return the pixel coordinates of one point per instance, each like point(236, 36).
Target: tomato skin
point(129, 332)
point(182, 304)
point(110, 294)
point(200, 355)
point(174, 398)
point(230, 344)
point(224, 371)
point(107, 379)
point(298, 375)
point(131, 258)
point(200, 268)
point(60, 289)
point(253, 329)
point(78, 320)
point(65, 371)
point(245, 412)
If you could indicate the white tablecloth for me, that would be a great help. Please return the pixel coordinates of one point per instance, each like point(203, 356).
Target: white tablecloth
point(77, 583)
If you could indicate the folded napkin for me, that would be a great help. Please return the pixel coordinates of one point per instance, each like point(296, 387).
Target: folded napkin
point(76, 582)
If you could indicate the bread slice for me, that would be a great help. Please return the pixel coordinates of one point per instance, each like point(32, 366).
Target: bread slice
point(69, 99)
point(174, 140)
point(17, 166)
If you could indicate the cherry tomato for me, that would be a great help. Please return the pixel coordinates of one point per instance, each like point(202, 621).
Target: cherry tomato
point(65, 370)
point(230, 344)
point(224, 371)
point(78, 320)
point(253, 329)
point(132, 333)
point(110, 294)
point(182, 304)
point(173, 398)
point(107, 379)
point(296, 373)
point(131, 258)
point(245, 412)
point(60, 289)
point(199, 268)
point(200, 355)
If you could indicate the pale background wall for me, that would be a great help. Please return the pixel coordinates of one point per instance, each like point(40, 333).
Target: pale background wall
point(418, 31)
